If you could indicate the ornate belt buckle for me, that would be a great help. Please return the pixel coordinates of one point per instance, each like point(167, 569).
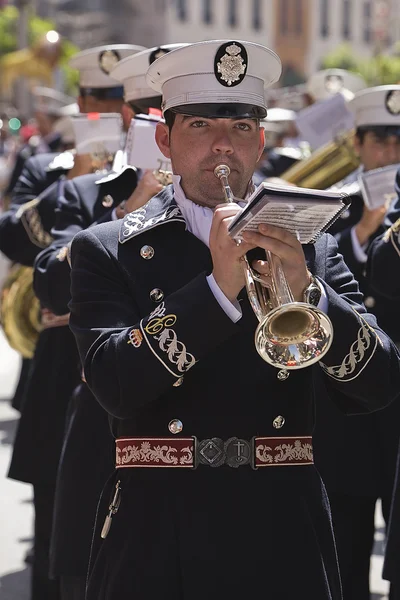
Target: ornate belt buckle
point(238, 452)
point(210, 452)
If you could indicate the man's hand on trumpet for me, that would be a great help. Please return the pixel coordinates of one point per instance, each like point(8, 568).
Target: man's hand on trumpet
point(227, 255)
point(284, 245)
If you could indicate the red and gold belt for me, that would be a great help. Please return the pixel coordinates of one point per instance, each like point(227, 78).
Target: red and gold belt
point(168, 452)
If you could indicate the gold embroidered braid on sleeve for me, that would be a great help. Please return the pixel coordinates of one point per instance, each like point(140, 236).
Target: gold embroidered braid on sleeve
point(158, 333)
point(393, 235)
point(30, 218)
point(360, 353)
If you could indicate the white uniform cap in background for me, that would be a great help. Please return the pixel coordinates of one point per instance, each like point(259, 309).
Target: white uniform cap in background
point(131, 72)
point(327, 83)
point(50, 102)
point(70, 109)
point(280, 115)
point(377, 106)
point(276, 123)
point(95, 64)
point(217, 78)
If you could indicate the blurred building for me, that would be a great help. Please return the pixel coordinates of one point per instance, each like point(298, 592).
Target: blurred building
point(89, 23)
point(197, 20)
point(302, 32)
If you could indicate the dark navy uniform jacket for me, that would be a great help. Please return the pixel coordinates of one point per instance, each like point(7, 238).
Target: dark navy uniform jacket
point(357, 455)
point(200, 367)
point(24, 231)
point(82, 204)
point(25, 226)
point(27, 151)
point(384, 274)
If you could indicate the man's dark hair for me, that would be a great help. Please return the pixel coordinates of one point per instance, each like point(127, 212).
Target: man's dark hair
point(170, 117)
point(381, 131)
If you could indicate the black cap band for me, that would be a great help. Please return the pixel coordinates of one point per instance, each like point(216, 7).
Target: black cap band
point(381, 131)
point(113, 93)
point(221, 111)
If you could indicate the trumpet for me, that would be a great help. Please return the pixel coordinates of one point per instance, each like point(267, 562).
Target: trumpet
point(290, 335)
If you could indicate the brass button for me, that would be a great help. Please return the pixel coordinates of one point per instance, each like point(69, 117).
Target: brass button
point(107, 201)
point(283, 374)
point(278, 422)
point(370, 302)
point(175, 426)
point(156, 295)
point(178, 382)
point(147, 252)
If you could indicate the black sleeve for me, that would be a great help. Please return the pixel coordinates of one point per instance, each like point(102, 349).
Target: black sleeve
point(52, 279)
point(118, 347)
point(51, 269)
point(25, 226)
point(107, 326)
point(383, 268)
point(362, 362)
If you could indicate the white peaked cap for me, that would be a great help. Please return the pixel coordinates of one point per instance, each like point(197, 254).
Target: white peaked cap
point(51, 102)
point(217, 78)
point(280, 115)
point(327, 83)
point(95, 64)
point(377, 106)
point(131, 71)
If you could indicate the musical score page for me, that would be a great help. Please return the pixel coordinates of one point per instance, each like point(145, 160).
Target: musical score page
point(305, 218)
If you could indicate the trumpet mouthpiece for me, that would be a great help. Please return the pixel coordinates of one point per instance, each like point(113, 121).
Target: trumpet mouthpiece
point(221, 170)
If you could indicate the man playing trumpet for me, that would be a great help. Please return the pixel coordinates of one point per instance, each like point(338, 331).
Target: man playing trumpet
point(215, 492)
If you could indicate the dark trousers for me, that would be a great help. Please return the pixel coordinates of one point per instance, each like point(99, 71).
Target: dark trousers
point(73, 588)
point(354, 527)
point(43, 588)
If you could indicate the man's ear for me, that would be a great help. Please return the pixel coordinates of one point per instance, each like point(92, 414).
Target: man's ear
point(162, 139)
point(261, 144)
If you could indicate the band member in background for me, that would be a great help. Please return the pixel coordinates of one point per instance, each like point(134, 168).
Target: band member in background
point(328, 82)
point(383, 273)
point(279, 124)
point(50, 106)
point(166, 336)
point(24, 231)
point(82, 205)
point(357, 455)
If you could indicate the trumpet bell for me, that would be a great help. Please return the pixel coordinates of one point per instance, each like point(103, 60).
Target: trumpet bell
point(293, 336)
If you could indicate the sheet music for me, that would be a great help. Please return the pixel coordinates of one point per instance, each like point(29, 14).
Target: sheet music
point(141, 147)
point(304, 213)
point(377, 186)
point(304, 221)
point(323, 121)
point(97, 133)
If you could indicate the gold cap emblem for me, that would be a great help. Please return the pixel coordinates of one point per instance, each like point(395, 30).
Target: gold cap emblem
point(230, 64)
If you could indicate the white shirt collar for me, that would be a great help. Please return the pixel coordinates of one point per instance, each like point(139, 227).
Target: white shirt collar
point(198, 218)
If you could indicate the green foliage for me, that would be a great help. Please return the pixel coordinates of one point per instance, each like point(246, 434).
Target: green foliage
point(38, 27)
point(381, 69)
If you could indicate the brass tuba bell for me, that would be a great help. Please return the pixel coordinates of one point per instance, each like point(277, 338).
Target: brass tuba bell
point(20, 310)
point(326, 166)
